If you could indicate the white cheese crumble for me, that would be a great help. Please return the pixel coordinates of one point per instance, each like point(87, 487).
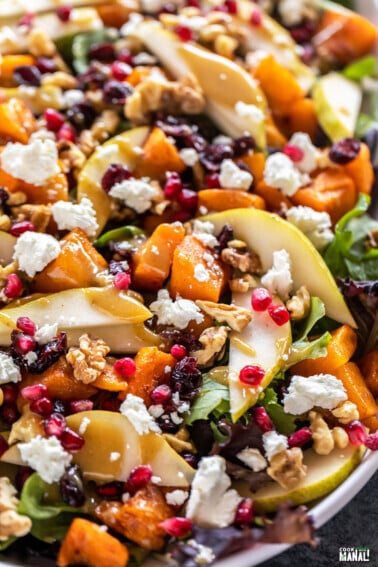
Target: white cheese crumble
point(280, 172)
point(46, 456)
point(204, 556)
point(232, 177)
point(292, 12)
point(30, 357)
point(317, 226)
point(34, 163)
point(176, 497)
point(177, 313)
point(136, 412)
point(279, 279)
point(303, 141)
point(321, 390)
point(137, 194)
point(274, 443)
point(9, 371)
point(201, 274)
point(212, 504)
point(251, 113)
point(223, 140)
point(83, 425)
point(46, 333)
point(34, 251)
point(189, 156)
point(72, 96)
point(204, 232)
point(253, 459)
point(156, 410)
point(69, 216)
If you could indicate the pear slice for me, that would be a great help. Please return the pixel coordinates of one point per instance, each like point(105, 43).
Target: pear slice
point(337, 114)
point(324, 474)
point(35, 98)
point(7, 243)
point(109, 432)
point(115, 316)
point(13, 11)
point(263, 343)
point(125, 149)
point(266, 232)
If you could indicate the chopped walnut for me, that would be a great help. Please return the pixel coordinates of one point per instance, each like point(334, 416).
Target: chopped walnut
point(1, 397)
point(211, 31)
point(12, 523)
point(236, 317)
point(39, 215)
point(173, 97)
point(16, 198)
point(87, 143)
point(321, 434)
point(346, 412)
point(213, 340)
point(105, 125)
point(245, 262)
point(40, 45)
point(340, 437)
point(299, 305)
point(287, 468)
point(60, 79)
point(5, 223)
point(225, 45)
point(71, 156)
point(28, 426)
point(243, 283)
point(88, 360)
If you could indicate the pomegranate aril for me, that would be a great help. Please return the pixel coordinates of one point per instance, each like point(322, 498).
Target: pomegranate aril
point(177, 527)
point(46, 65)
point(344, 151)
point(125, 367)
point(251, 375)
point(295, 153)
point(261, 299)
point(300, 437)
point(279, 314)
point(26, 325)
point(256, 18)
point(26, 20)
point(9, 413)
point(111, 490)
point(20, 227)
point(184, 33)
point(138, 478)
point(244, 512)
point(10, 393)
point(103, 52)
point(212, 181)
point(71, 441)
point(27, 75)
point(188, 199)
point(125, 56)
point(64, 13)
point(34, 392)
point(116, 173)
point(122, 280)
point(80, 405)
point(161, 394)
point(22, 343)
point(3, 445)
point(43, 406)
point(262, 419)
point(67, 133)
point(55, 425)
point(231, 6)
point(372, 441)
point(173, 185)
point(178, 351)
point(120, 71)
point(13, 287)
point(357, 433)
point(182, 216)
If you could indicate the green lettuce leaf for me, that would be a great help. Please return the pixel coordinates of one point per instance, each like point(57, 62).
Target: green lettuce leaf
point(284, 423)
point(364, 67)
point(212, 397)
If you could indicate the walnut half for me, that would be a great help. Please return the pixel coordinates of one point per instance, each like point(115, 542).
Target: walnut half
point(88, 360)
point(236, 317)
point(213, 340)
point(287, 468)
point(12, 523)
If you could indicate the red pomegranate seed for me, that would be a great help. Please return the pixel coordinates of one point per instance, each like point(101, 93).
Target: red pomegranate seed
point(23, 343)
point(122, 280)
point(81, 405)
point(10, 393)
point(3, 445)
point(256, 18)
point(279, 314)
point(188, 199)
point(26, 325)
point(54, 119)
point(111, 490)
point(300, 437)
point(20, 227)
point(55, 425)
point(125, 56)
point(26, 20)
point(161, 394)
point(212, 181)
point(67, 133)
point(13, 287)
point(173, 185)
point(262, 419)
point(372, 441)
point(295, 153)
point(64, 13)
point(261, 299)
point(193, 3)
point(184, 33)
point(111, 404)
point(178, 351)
point(43, 406)
point(34, 392)
point(9, 413)
point(244, 512)
point(356, 433)
point(138, 478)
point(120, 70)
point(125, 367)
point(71, 441)
point(252, 375)
point(231, 6)
point(177, 527)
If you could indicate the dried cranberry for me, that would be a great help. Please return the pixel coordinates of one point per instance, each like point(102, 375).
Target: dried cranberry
point(212, 180)
point(20, 227)
point(3, 445)
point(182, 216)
point(71, 441)
point(213, 155)
point(4, 196)
point(13, 287)
point(28, 75)
point(190, 458)
point(111, 490)
point(303, 32)
point(188, 199)
point(168, 8)
point(116, 173)
point(177, 527)
point(161, 394)
point(184, 33)
point(77, 406)
point(81, 115)
point(125, 56)
point(115, 92)
point(244, 512)
point(46, 65)
point(231, 6)
point(344, 151)
point(262, 419)
point(308, 53)
point(49, 353)
point(243, 145)
point(138, 478)
point(252, 375)
point(187, 340)
point(55, 425)
point(193, 3)
point(186, 378)
point(94, 77)
point(9, 413)
point(110, 404)
point(71, 487)
point(226, 234)
point(10, 393)
point(126, 367)
point(103, 52)
point(300, 437)
point(64, 13)
point(34, 392)
point(261, 299)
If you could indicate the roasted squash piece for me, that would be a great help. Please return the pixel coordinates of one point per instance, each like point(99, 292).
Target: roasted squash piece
point(159, 156)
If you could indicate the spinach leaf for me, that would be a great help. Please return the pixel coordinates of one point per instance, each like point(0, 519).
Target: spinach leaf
point(211, 397)
point(285, 423)
point(364, 67)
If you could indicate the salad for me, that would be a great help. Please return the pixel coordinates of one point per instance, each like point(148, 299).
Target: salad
point(189, 274)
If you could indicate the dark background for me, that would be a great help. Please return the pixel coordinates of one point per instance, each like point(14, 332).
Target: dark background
point(355, 526)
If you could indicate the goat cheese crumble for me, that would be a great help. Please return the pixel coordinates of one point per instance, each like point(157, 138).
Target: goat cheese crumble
point(279, 279)
point(280, 172)
point(138, 194)
point(81, 215)
point(177, 313)
point(33, 163)
point(176, 497)
point(253, 459)
point(9, 371)
point(317, 226)
point(201, 274)
point(204, 232)
point(321, 390)
point(46, 333)
point(303, 141)
point(136, 412)
point(233, 177)
point(34, 251)
point(46, 456)
point(273, 443)
point(189, 156)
